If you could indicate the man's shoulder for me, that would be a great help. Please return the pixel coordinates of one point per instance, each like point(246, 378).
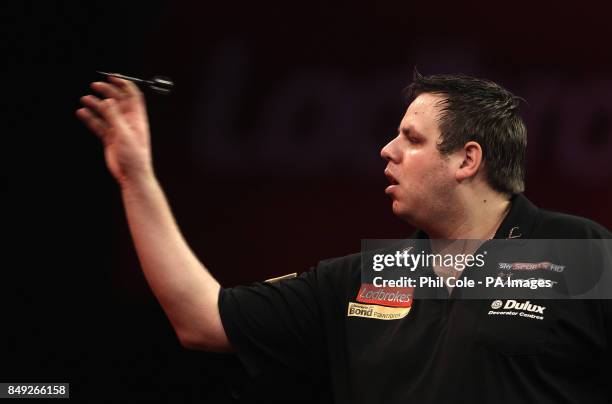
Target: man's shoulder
point(561, 225)
point(349, 263)
point(344, 270)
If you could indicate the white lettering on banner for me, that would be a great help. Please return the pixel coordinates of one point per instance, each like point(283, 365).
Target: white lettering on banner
point(514, 308)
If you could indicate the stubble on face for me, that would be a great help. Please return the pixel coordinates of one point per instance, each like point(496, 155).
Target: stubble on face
point(424, 193)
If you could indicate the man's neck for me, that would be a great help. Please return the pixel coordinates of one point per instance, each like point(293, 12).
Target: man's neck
point(471, 226)
point(476, 218)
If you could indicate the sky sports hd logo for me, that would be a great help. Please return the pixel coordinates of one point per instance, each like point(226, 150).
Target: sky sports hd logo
point(514, 308)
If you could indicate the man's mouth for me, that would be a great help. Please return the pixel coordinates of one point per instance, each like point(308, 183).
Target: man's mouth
point(391, 178)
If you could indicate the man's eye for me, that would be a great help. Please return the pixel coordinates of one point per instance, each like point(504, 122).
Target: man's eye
point(412, 139)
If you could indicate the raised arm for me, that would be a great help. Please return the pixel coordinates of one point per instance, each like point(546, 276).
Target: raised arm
point(186, 290)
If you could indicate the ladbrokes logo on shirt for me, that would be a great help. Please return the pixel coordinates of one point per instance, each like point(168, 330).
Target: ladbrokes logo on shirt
point(395, 297)
point(376, 312)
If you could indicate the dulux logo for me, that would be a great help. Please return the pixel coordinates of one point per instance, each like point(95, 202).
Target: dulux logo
point(513, 304)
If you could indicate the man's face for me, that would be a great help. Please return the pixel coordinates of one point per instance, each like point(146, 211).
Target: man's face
point(421, 178)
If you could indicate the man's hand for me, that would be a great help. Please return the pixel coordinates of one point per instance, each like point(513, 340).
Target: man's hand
point(184, 287)
point(120, 121)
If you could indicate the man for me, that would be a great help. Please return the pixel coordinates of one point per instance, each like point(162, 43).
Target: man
point(456, 172)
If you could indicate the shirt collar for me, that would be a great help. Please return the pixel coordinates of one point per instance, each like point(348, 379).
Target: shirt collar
point(518, 223)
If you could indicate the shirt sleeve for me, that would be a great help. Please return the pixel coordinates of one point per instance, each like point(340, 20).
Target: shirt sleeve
point(271, 324)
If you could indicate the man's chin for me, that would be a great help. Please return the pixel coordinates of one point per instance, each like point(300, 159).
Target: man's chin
point(402, 212)
point(399, 209)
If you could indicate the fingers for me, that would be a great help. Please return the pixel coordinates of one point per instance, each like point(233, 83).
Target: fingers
point(108, 90)
point(106, 109)
point(101, 115)
point(125, 85)
point(116, 88)
point(95, 124)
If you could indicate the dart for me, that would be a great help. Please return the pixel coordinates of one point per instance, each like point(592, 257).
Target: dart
point(161, 85)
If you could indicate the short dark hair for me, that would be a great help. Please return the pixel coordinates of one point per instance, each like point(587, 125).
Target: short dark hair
point(481, 111)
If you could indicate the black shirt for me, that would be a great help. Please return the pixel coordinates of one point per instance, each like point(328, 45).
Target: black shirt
point(437, 351)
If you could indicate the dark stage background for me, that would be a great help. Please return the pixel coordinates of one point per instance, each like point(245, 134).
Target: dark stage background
point(268, 152)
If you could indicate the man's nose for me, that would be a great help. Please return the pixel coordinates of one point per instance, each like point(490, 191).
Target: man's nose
point(386, 152)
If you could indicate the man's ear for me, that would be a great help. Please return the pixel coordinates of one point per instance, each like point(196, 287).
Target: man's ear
point(471, 155)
